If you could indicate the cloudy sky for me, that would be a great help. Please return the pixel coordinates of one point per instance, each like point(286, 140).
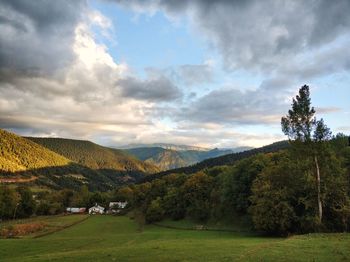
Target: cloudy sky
point(206, 73)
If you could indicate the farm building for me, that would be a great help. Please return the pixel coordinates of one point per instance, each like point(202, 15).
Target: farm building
point(75, 210)
point(118, 204)
point(96, 209)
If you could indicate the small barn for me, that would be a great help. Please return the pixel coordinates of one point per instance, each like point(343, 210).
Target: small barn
point(119, 204)
point(116, 207)
point(96, 209)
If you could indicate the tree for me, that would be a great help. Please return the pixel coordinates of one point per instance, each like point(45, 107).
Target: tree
point(301, 126)
point(27, 204)
point(155, 211)
point(9, 201)
point(299, 122)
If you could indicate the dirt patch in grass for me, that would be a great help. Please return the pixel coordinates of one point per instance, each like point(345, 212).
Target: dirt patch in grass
point(12, 231)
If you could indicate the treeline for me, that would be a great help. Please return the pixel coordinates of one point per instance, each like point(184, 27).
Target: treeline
point(303, 188)
point(21, 202)
point(276, 192)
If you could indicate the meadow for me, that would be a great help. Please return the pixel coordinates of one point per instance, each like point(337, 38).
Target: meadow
point(110, 238)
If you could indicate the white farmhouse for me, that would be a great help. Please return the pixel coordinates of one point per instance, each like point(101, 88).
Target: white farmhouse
point(96, 209)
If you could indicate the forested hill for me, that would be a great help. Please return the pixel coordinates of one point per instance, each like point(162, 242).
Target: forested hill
point(18, 153)
point(229, 159)
point(95, 156)
point(64, 163)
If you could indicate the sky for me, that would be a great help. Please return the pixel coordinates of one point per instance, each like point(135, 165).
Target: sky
point(205, 73)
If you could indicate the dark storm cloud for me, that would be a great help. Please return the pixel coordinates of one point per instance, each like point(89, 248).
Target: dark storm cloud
point(153, 90)
point(36, 36)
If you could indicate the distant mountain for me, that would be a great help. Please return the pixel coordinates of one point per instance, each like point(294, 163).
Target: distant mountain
point(64, 163)
point(228, 159)
point(167, 159)
point(165, 146)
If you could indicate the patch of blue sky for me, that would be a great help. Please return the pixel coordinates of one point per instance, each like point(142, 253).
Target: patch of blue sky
point(333, 92)
point(145, 40)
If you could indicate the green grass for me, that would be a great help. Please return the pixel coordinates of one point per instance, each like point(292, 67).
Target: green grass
point(108, 238)
point(239, 225)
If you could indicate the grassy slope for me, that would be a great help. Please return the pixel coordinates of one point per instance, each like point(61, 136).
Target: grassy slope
point(108, 238)
point(18, 153)
point(94, 156)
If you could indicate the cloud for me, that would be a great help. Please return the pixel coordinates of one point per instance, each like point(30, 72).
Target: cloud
point(232, 106)
point(327, 110)
point(154, 90)
point(81, 100)
point(196, 74)
point(258, 35)
point(57, 78)
point(36, 36)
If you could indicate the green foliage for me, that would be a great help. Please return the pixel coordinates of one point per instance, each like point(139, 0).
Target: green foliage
point(196, 195)
point(155, 211)
point(237, 183)
point(300, 121)
point(27, 204)
point(284, 195)
point(8, 202)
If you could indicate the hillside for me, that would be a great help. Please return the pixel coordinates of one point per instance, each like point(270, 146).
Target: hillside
point(18, 153)
point(23, 160)
point(228, 159)
point(166, 159)
point(95, 156)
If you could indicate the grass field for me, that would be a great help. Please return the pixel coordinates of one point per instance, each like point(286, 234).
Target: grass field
point(108, 238)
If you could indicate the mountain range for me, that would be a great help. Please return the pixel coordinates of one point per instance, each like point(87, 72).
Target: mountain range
point(167, 156)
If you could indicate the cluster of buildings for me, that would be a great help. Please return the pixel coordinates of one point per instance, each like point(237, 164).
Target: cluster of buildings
point(113, 208)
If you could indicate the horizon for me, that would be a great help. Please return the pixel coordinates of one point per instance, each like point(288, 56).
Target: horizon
point(211, 74)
